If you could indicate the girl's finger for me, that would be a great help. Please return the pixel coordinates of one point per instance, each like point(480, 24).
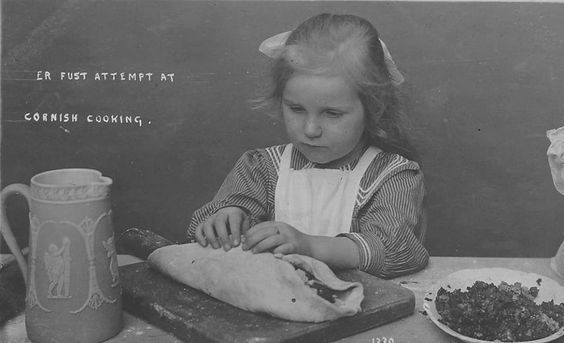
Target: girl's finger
point(261, 227)
point(258, 233)
point(258, 227)
point(245, 226)
point(200, 238)
point(268, 243)
point(235, 222)
point(209, 233)
point(220, 226)
point(284, 249)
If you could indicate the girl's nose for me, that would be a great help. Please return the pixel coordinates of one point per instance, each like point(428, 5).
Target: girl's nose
point(312, 127)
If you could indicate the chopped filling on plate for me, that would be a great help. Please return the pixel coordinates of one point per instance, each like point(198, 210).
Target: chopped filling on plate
point(506, 312)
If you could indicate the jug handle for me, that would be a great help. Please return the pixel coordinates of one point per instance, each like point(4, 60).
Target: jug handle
point(5, 229)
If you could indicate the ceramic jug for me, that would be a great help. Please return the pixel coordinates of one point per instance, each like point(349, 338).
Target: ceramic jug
point(72, 280)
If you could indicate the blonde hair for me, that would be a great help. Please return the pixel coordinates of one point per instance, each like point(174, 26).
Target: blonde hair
point(347, 46)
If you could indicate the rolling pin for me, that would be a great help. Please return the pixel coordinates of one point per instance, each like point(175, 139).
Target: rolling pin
point(12, 292)
point(140, 242)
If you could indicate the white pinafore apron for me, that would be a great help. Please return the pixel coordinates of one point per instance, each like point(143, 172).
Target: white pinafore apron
point(318, 201)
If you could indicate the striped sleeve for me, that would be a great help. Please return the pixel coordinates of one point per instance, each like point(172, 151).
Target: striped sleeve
point(384, 227)
point(249, 186)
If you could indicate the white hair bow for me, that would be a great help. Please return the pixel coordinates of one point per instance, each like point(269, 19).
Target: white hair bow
point(273, 46)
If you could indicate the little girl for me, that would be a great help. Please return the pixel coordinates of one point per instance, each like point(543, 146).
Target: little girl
point(344, 191)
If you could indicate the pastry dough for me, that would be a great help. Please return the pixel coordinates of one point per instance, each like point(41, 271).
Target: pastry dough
point(285, 287)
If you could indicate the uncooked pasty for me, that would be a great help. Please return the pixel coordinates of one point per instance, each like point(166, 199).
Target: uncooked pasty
point(292, 287)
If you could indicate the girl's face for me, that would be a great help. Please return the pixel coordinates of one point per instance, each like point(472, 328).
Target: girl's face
point(324, 118)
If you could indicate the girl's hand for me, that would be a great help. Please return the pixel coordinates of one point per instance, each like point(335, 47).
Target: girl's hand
point(278, 237)
point(224, 228)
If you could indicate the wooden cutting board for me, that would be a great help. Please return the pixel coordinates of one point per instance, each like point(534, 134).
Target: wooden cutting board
point(193, 316)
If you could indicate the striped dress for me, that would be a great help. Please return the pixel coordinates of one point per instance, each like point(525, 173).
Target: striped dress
point(388, 223)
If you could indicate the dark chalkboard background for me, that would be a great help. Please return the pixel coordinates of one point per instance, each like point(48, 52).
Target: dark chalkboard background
point(486, 80)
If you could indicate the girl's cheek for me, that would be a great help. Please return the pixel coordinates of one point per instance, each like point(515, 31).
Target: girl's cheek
point(292, 125)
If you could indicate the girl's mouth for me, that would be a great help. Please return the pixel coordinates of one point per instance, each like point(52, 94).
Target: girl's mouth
point(312, 146)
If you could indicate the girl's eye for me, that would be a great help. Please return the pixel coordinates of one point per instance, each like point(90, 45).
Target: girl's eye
point(297, 109)
point(333, 114)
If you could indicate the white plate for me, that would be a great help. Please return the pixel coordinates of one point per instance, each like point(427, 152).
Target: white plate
point(548, 290)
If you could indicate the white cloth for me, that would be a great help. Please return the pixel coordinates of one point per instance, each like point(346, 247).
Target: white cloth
point(557, 262)
point(318, 201)
point(556, 162)
point(556, 157)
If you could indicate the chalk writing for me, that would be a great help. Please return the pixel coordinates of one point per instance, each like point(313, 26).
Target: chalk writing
point(114, 119)
point(45, 75)
point(56, 117)
point(123, 76)
point(73, 76)
point(51, 117)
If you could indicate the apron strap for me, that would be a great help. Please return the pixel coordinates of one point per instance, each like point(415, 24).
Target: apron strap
point(363, 164)
point(356, 176)
point(286, 158)
point(281, 202)
point(367, 158)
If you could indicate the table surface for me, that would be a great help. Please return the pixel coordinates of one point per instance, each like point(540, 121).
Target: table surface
point(414, 328)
